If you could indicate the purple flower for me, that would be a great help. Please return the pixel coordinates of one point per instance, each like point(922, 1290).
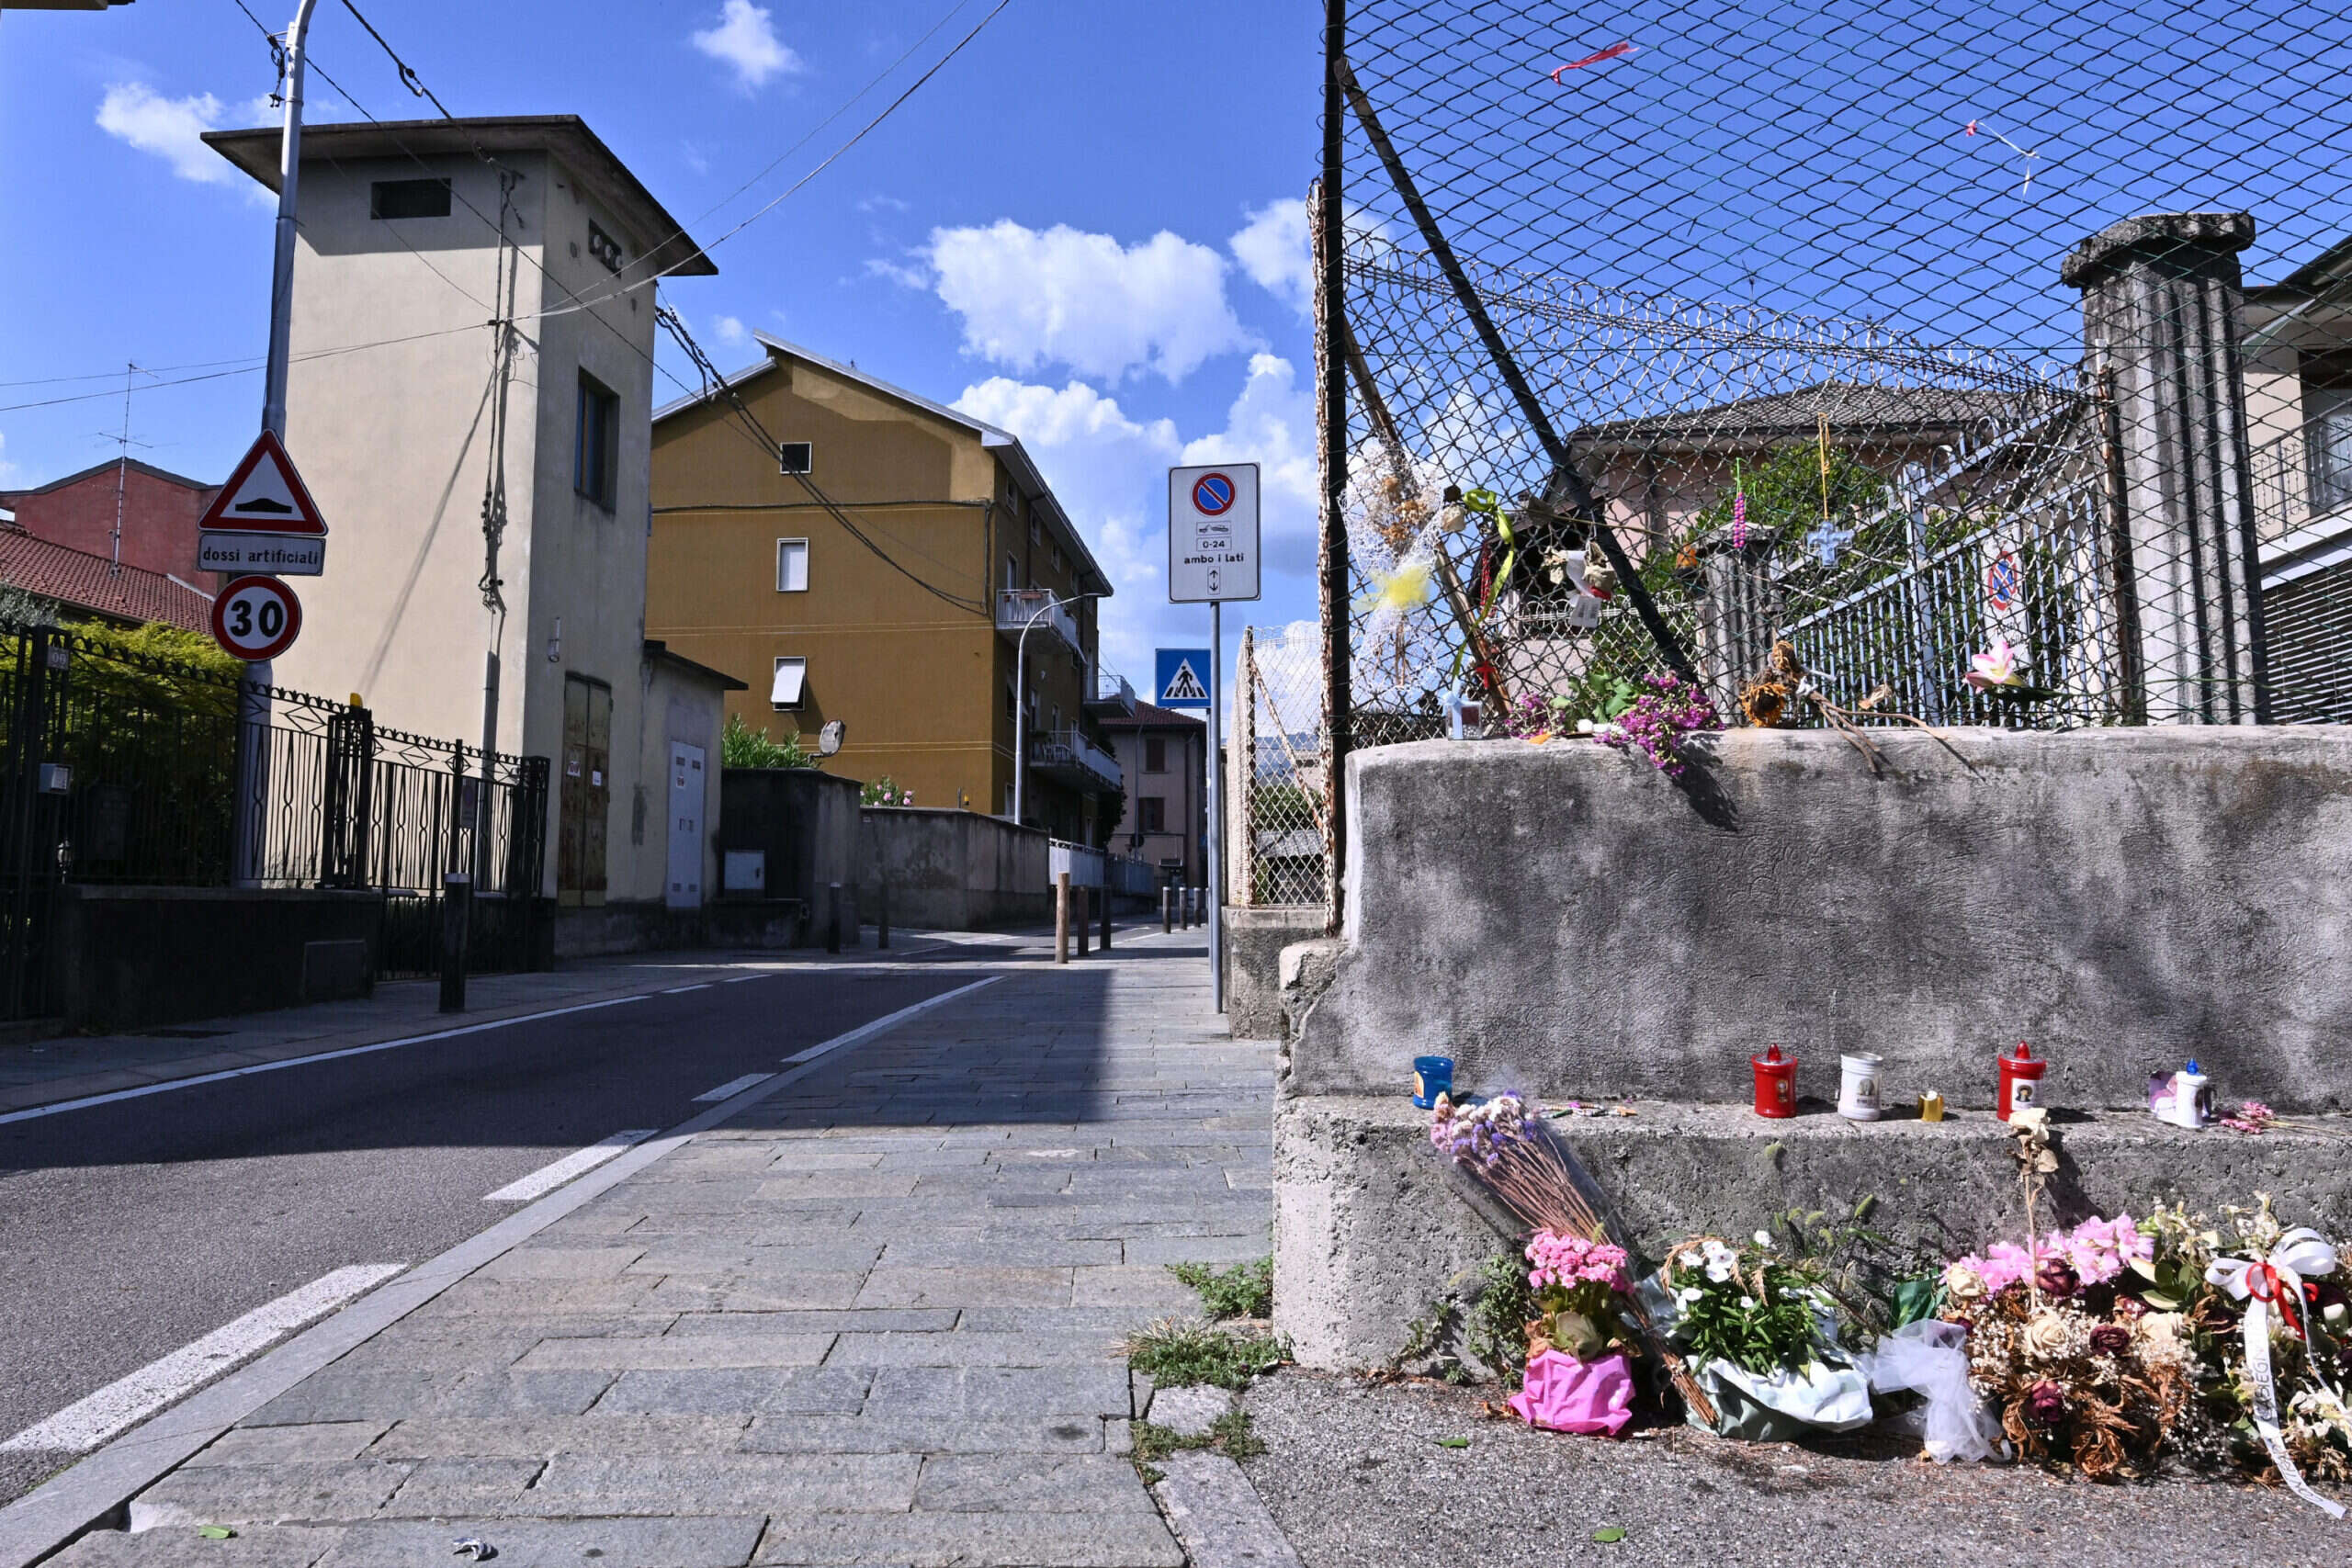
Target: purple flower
point(2046, 1405)
point(2057, 1277)
point(2110, 1339)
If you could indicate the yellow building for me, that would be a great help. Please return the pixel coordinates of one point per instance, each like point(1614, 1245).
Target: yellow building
point(887, 587)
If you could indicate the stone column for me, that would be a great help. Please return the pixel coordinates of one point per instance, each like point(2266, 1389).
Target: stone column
point(2161, 303)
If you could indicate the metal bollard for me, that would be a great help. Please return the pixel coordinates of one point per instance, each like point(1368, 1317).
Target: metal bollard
point(1061, 916)
point(1167, 910)
point(457, 913)
point(1107, 919)
point(832, 917)
point(882, 914)
point(1083, 894)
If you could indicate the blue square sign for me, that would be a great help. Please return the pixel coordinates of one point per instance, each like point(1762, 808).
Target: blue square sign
point(1180, 678)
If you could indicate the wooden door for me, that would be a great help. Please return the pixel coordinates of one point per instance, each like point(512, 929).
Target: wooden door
point(586, 790)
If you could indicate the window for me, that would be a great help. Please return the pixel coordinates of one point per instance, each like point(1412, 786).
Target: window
point(1036, 533)
point(1151, 815)
point(409, 198)
point(1057, 724)
point(792, 566)
point(1154, 753)
point(604, 248)
point(595, 459)
point(1012, 574)
point(791, 675)
point(1009, 713)
point(796, 457)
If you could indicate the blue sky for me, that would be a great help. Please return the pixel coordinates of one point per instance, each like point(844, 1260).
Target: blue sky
point(1085, 228)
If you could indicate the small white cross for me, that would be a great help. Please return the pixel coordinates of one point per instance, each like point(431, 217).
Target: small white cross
point(1827, 541)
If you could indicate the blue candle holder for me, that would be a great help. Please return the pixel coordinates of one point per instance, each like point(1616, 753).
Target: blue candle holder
point(1432, 1075)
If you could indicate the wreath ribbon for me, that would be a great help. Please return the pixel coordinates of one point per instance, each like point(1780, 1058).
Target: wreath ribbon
point(2260, 1282)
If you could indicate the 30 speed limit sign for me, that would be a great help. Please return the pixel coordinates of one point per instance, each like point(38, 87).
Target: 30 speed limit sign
point(256, 618)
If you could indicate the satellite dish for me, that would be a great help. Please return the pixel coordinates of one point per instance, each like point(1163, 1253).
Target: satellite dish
point(828, 739)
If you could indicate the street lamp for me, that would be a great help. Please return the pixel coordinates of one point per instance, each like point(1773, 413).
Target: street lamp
point(1021, 700)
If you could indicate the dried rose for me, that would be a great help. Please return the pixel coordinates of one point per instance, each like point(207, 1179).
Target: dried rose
point(2048, 1335)
point(2046, 1405)
point(2110, 1339)
point(2057, 1277)
point(2161, 1337)
point(1962, 1284)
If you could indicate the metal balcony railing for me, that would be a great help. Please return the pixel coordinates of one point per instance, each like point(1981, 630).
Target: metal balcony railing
point(1016, 606)
point(1110, 693)
point(1067, 756)
point(2303, 478)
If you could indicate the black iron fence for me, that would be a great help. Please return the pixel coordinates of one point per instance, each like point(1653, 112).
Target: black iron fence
point(118, 766)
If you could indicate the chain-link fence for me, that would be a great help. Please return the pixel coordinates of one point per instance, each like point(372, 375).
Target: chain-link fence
point(1278, 772)
point(1915, 342)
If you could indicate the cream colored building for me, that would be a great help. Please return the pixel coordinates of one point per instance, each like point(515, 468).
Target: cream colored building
point(392, 410)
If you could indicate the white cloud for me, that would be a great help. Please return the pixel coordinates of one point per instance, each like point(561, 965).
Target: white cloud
point(171, 129)
point(880, 203)
point(745, 39)
point(900, 273)
point(7, 468)
point(1272, 250)
point(1109, 470)
point(731, 330)
point(1058, 296)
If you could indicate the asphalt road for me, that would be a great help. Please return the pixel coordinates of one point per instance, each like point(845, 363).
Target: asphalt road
point(131, 1229)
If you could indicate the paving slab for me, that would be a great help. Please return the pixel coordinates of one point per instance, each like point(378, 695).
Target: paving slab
point(875, 1319)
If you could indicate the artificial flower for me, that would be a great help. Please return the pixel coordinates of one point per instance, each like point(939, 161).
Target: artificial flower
point(2048, 1335)
point(2002, 664)
point(1963, 1283)
point(2047, 1403)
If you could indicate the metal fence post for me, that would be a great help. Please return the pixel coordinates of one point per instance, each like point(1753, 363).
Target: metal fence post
point(882, 912)
point(1082, 895)
point(456, 908)
point(1106, 913)
point(832, 917)
point(1061, 916)
point(1167, 909)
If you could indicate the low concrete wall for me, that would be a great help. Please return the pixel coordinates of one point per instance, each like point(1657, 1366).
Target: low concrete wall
point(952, 870)
point(1369, 1226)
point(125, 958)
point(1565, 919)
point(643, 926)
point(1254, 939)
point(805, 823)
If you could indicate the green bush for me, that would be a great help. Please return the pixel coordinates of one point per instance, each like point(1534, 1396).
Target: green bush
point(741, 746)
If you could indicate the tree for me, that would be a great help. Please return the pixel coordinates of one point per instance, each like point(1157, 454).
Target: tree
point(741, 746)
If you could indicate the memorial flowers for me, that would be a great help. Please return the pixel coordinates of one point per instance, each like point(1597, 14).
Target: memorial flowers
point(1579, 1375)
point(1660, 720)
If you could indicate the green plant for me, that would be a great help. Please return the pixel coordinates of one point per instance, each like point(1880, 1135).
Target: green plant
point(1175, 1354)
point(883, 792)
point(1230, 1433)
point(1482, 1314)
point(1744, 1304)
point(1246, 1290)
point(1877, 1286)
point(741, 746)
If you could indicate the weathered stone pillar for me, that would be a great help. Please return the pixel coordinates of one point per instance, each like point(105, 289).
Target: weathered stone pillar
point(2161, 302)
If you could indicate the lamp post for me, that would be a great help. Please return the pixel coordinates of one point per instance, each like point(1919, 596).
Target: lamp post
point(1021, 700)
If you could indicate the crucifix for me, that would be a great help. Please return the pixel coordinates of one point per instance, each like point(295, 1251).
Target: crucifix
point(1827, 539)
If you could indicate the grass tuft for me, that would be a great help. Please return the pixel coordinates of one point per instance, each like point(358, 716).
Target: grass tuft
point(1173, 1354)
point(1230, 1434)
point(1246, 1290)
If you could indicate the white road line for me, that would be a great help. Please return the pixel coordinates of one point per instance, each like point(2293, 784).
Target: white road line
point(739, 979)
point(144, 1089)
point(733, 1087)
point(888, 1022)
point(86, 1423)
point(547, 1178)
point(681, 990)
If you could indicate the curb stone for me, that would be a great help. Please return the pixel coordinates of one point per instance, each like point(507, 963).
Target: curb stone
point(1217, 1514)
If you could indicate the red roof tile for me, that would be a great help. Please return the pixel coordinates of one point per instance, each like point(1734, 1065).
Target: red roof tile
point(95, 583)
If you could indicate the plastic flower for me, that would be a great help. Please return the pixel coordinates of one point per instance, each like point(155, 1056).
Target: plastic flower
point(1407, 588)
point(2002, 664)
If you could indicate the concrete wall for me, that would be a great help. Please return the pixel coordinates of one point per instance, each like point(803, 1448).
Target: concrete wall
point(806, 823)
point(1565, 919)
point(952, 870)
point(125, 958)
point(1254, 939)
point(1370, 1225)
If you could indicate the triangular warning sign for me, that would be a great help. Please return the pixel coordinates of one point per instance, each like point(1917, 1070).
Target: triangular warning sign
point(263, 496)
point(1185, 686)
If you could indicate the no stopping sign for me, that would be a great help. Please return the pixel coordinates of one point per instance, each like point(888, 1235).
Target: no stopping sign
point(256, 618)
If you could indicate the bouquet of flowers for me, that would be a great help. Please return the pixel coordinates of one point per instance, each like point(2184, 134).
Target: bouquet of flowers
point(1579, 1377)
point(1761, 1336)
point(2057, 1349)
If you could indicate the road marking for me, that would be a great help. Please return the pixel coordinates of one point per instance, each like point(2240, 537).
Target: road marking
point(681, 990)
point(144, 1089)
point(733, 1087)
point(45, 1520)
point(739, 979)
point(547, 1178)
point(84, 1424)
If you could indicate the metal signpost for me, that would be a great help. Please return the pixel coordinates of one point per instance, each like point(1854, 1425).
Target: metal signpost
point(1213, 557)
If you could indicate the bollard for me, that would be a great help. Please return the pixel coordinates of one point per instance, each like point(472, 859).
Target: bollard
point(1061, 916)
point(832, 917)
point(456, 912)
point(1107, 919)
point(1083, 894)
point(882, 915)
point(1167, 910)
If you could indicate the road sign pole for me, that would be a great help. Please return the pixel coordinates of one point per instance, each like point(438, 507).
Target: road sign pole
point(248, 824)
point(1216, 808)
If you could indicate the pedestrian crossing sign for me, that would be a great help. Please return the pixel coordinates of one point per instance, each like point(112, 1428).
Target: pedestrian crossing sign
point(1182, 679)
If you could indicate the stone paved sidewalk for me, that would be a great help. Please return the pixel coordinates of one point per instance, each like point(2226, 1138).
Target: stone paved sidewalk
point(873, 1320)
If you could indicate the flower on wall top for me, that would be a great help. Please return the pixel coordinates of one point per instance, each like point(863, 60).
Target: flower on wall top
point(2002, 664)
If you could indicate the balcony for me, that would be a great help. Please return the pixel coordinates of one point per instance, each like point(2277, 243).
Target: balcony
point(2303, 488)
point(1110, 694)
point(1016, 606)
point(1068, 757)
